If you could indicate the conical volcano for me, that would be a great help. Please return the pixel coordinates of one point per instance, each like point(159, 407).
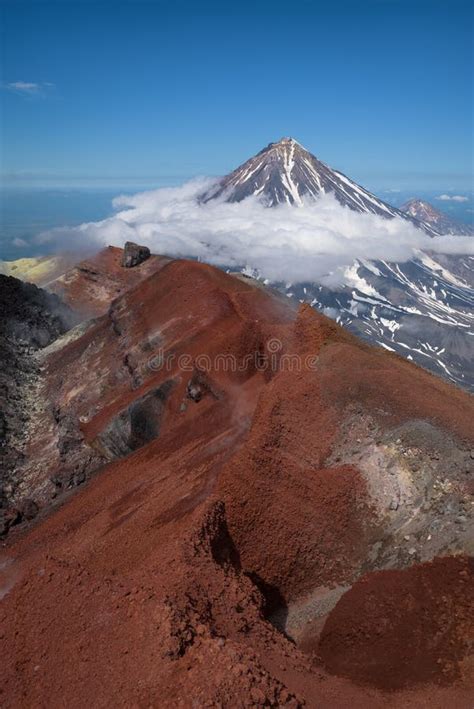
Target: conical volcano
point(285, 172)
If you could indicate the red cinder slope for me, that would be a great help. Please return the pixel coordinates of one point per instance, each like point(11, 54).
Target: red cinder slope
point(92, 284)
point(258, 481)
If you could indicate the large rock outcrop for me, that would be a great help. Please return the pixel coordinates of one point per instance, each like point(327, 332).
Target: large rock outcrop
point(134, 254)
point(30, 320)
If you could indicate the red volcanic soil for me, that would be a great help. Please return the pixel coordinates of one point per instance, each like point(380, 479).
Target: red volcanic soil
point(189, 570)
point(90, 286)
point(419, 621)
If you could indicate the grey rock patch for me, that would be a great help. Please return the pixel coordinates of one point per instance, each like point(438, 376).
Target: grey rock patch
point(136, 425)
point(414, 475)
point(134, 254)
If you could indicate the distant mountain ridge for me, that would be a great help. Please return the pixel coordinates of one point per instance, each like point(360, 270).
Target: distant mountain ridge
point(427, 213)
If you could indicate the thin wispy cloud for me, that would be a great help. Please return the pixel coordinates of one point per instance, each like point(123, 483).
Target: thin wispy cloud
point(310, 243)
point(452, 198)
point(20, 243)
point(30, 89)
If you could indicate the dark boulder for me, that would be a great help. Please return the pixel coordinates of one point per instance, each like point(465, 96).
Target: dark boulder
point(29, 509)
point(133, 254)
point(9, 518)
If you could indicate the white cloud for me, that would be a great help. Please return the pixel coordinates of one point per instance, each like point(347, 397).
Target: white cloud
point(452, 198)
point(313, 242)
point(29, 88)
point(20, 243)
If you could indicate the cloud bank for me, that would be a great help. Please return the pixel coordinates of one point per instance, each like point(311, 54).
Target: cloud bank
point(452, 198)
point(28, 88)
point(314, 242)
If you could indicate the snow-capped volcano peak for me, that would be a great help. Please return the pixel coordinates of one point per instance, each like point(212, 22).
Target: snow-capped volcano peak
point(285, 172)
point(281, 172)
point(287, 141)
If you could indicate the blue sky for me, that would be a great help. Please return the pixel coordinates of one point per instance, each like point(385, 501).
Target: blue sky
point(132, 93)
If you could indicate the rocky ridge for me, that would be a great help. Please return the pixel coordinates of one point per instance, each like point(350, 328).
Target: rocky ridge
point(264, 479)
point(425, 212)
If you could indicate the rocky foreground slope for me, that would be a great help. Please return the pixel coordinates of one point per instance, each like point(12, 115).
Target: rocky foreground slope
point(31, 319)
point(273, 512)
